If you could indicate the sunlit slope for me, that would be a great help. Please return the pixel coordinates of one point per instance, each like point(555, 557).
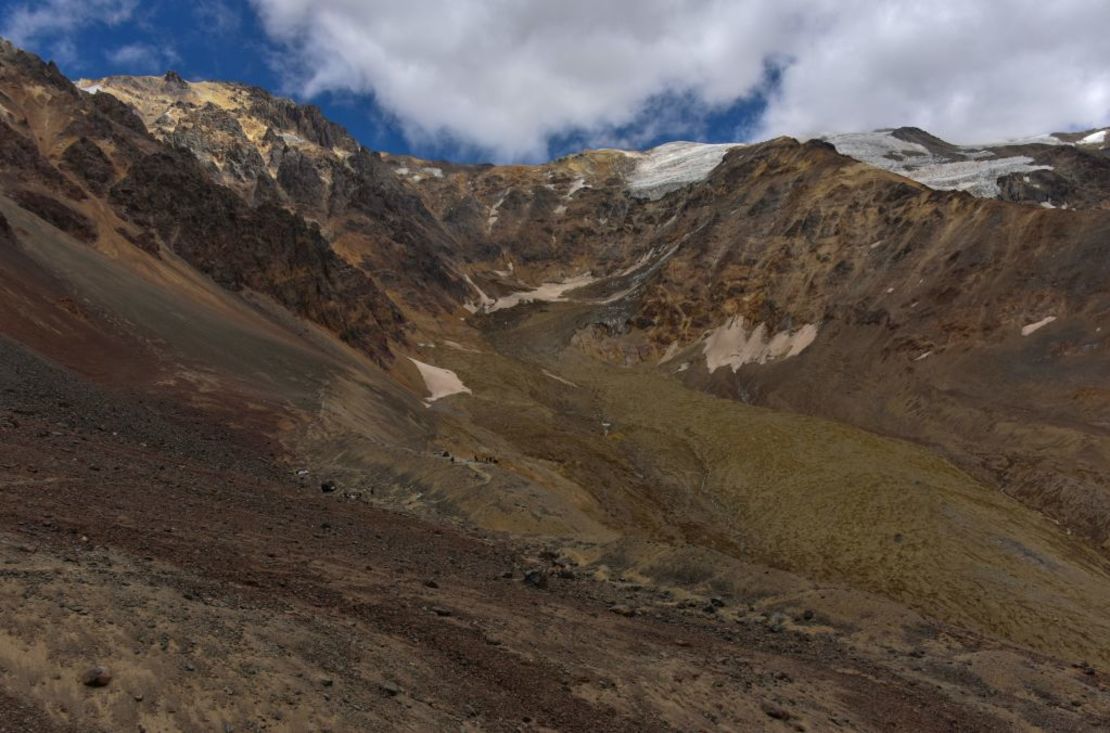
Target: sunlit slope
point(823, 499)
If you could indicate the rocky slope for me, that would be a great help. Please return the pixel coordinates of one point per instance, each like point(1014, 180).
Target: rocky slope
point(486, 447)
point(88, 166)
point(270, 150)
point(900, 296)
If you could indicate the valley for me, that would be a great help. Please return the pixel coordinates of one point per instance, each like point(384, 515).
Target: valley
point(788, 435)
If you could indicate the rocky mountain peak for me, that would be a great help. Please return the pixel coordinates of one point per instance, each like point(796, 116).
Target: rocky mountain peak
point(173, 80)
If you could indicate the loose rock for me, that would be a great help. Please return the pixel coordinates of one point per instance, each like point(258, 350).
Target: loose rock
point(389, 688)
point(96, 677)
point(774, 711)
point(535, 578)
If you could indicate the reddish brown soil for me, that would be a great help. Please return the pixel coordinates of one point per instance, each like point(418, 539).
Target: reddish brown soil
point(130, 497)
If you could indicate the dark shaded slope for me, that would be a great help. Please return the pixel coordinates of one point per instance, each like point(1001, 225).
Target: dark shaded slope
point(270, 150)
point(116, 169)
point(266, 249)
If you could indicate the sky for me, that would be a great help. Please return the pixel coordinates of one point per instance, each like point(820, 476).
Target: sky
point(531, 80)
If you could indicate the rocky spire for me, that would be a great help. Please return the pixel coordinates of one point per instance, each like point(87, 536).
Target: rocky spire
point(173, 79)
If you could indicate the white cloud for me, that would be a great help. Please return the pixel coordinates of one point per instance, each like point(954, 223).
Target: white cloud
point(140, 58)
point(507, 76)
point(50, 24)
point(217, 16)
point(968, 71)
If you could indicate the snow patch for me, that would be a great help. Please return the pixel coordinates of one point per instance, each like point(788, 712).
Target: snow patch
point(417, 176)
point(640, 270)
point(552, 292)
point(459, 347)
point(493, 210)
point(557, 378)
point(91, 88)
point(547, 292)
point(880, 149)
point(1044, 139)
point(671, 166)
point(733, 345)
point(439, 381)
point(978, 176)
point(1095, 138)
point(484, 301)
point(1026, 330)
point(644, 259)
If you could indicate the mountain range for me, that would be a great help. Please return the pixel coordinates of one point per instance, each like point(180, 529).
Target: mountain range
point(297, 435)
